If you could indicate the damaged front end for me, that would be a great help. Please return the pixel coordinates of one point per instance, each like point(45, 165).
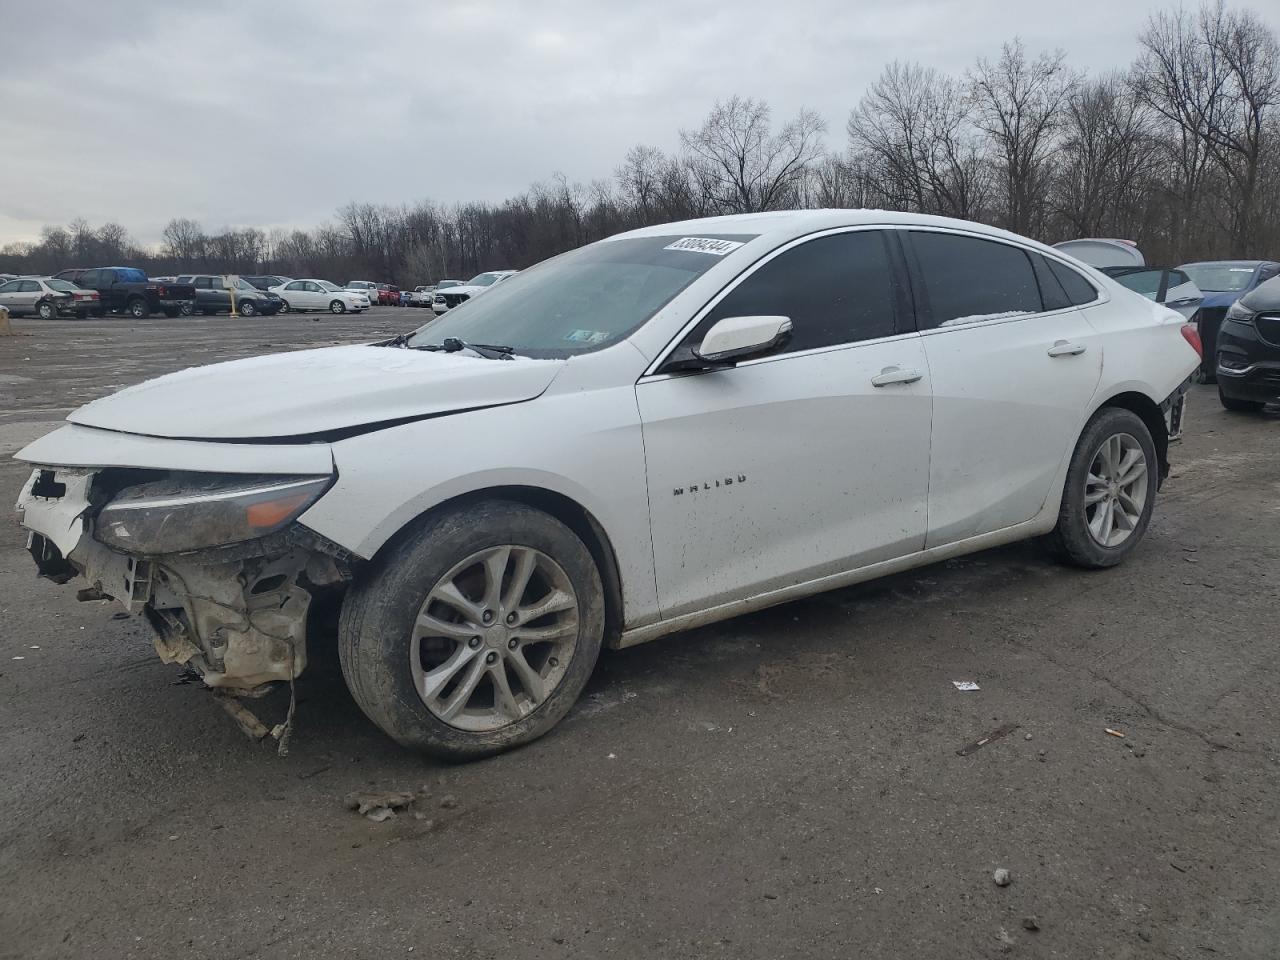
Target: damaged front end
point(216, 563)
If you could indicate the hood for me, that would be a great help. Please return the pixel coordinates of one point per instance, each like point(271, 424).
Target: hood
point(314, 391)
point(467, 289)
point(1221, 298)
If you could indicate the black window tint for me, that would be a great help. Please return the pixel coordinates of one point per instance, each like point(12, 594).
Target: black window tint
point(835, 289)
point(1051, 292)
point(1145, 282)
point(90, 278)
point(1078, 288)
point(967, 279)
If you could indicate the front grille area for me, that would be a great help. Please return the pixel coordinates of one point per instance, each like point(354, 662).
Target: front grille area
point(453, 299)
point(1268, 326)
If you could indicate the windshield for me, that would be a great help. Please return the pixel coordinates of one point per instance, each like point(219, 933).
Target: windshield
point(61, 285)
point(1219, 277)
point(331, 287)
point(577, 302)
point(482, 280)
point(444, 284)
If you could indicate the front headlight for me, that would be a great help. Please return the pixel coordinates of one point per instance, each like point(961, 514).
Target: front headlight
point(185, 512)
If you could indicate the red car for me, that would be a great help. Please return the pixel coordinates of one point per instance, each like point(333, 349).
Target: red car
point(388, 295)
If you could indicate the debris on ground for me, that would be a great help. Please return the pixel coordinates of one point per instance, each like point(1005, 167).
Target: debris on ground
point(448, 801)
point(1115, 733)
point(1030, 923)
point(379, 806)
point(995, 734)
point(1027, 737)
point(1002, 877)
point(965, 685)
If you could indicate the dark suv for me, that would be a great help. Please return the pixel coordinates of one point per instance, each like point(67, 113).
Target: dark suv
point(1249, 350)
point(213, 295)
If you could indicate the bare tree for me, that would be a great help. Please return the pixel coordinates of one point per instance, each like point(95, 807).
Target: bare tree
point(915, 125)
point(741, 164)
point(1018, 102)
point(184, 240)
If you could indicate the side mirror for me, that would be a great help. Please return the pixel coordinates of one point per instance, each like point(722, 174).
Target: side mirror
point(740, 338)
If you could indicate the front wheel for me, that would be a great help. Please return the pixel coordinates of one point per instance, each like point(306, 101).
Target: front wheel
point(337, 306)
point(247, 308)
point(1236, 405)
point(46, 311)
point(475, 631)
point(1110, 491)
point(284, 306)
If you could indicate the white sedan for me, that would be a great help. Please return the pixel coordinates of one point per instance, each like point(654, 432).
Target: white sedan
point(319, 295)
point(666, 428)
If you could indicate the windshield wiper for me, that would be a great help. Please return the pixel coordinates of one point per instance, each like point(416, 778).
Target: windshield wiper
point(453, 345)
point(399, 340)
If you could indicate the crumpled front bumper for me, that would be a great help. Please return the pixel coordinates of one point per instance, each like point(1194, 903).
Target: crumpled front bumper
point(238, 617)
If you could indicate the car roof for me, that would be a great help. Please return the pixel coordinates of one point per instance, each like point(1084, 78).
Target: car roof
point(1227, 263)
point(780, 226)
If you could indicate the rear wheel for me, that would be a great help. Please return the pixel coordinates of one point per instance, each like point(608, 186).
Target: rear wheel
point(337, 306)
point(1110, 491)
point(187, 308)
point(137, 309)
point(475, 632)
point(46, 310)
point(1236, 405)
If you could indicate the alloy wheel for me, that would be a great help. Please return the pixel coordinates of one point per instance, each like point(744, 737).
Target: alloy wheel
point(1115, 492)
point(494, 637)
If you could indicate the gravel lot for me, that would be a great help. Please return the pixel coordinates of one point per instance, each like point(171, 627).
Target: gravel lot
point(782, 785)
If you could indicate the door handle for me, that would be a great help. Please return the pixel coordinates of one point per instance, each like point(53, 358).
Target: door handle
point(1064, 348)
point(895, 375)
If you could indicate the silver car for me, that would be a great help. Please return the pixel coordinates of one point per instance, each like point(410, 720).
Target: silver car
point(48, 297)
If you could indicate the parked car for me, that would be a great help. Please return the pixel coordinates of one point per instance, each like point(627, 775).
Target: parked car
point(213, 295)
point(388, 295)
point(421, 295)
point(1248, 357)
point(367, 287)
point(319, 295)
point(266, 282)
point(48, 297)
point(127, 289)
point(1165, 285)
point(1223, 282)
point(662, 429)
point(1124, 262)
point(460, 293)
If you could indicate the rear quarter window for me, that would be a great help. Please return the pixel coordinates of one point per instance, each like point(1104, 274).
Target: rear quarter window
point(1078, 289)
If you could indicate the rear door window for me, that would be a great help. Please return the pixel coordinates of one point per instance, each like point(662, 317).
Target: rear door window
point(970, 279)
point(90, 278)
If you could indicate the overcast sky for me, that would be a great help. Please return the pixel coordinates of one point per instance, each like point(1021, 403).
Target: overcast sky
point(276, 112)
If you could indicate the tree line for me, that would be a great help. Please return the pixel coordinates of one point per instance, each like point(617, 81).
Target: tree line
point(1179, 152)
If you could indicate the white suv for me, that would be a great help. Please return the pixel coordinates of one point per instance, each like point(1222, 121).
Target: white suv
point(446, 298)
point(663, 429)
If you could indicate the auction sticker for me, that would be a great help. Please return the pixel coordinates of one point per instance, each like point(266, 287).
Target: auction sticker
point(717, 248)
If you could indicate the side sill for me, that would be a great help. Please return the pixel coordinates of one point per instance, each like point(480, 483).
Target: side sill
point(1022, 531)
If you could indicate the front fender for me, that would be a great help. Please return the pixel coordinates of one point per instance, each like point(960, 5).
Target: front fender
point(582, 445)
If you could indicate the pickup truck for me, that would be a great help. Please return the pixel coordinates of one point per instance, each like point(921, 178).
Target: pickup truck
point(127, 289)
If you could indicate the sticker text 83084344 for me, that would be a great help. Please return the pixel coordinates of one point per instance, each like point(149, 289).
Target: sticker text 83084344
point(717, 248)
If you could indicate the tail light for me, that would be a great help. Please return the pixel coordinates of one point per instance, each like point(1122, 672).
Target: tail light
point(1191, 333)
point(161, 291)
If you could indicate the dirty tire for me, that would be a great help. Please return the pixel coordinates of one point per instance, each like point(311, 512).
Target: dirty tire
point(1236, 405)
point(46, 310)
point(1070, 539)
point(138, 309)
point(337, 306)
point(380, 609)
